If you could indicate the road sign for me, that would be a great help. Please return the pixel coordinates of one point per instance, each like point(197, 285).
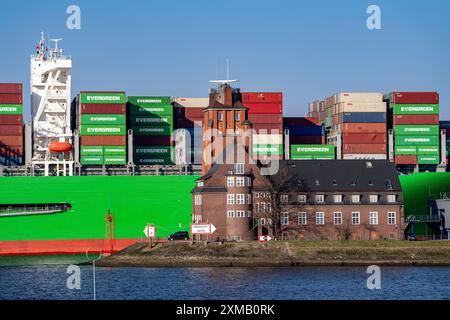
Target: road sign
point(265, 238)
point(202, 228)
point(150, 231)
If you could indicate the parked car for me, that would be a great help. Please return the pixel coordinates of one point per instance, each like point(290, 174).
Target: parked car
point(179, 235)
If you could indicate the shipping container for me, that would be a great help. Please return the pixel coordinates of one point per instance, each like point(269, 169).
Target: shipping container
point(365, 97)
point(150, 110)
point(102, 97)
point(103, 119)
point(264, 108)
point(11, 109)
point(11, 161)
point(114, 159)
point(152, 140)
point(152, 130)
point(428, 159)
point(151, 120)
point(416, 129)
point(361, 117)
point(186, 123)
point(428, 150)
point(91, 150)
point(305, 139)
point(417, 140)
point(360, 107)
point(264, 149)
point(11, 130)
point(405, 150)
point(11, 98)
point(364, 138)
point(11, 140)
point(11, 151)
point(153, 161)
point(91, 159)
point(102, 109)
point(305, 130)
point(152, 150)
point(363, 128)
point(416, 119)
point(111, 130)
point(114, 150)
point(266, 118)
point(312, 149)
point(298, 121)
point(413, 97)
point(103, 140)
point(261, 128)
point(188, 113)
point(150, 100)
point(302, 157)
point(200, 103)
point(10, 88)
point(399, 109)
point(267, 139)
point(262, 97)
point(375, 156)
point(406, 159)
point(364, 148)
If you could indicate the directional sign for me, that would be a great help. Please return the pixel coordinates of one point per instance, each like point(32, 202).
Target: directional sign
point(202, 228)
point(150, 231)
point(265, 238)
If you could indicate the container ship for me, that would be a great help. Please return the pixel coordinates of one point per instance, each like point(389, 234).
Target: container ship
point(89, 173)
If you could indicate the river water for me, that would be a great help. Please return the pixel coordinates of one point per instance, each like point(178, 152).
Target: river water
point(50, 282)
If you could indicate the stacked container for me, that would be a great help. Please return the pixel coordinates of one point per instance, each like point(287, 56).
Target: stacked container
point(101, 119)
point(304, 130)
point(151, 119)
point(188, 118)
point(414, 118)
point(11, 124)
point(360, 120)
point(445, 125)
point(312, 152)
point(265, 112)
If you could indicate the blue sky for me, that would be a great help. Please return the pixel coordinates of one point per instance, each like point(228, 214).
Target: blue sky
point(306, 49)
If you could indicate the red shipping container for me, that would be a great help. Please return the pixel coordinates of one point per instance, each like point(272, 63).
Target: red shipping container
point(414, 97)
point(187, 123)
point(11, 98)
point(11, 140)
point(266, 118)
point(305, 140)
point(268, 127)
point(364, 148)
point(10, 88)
point(103, 140)
point(416, 119)
point(189, 112)
point(11, 119)
point(92, 108)
point(256, 108)
point(152, 140)
point(364, 138)
point(262, 97)
point(300, 121)
point(11, 150)
point(11, 130)
point(405, 159)
point(363, 128)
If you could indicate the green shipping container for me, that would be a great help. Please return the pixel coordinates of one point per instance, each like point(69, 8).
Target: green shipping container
point(417, 140)
point(113, 130)
point(428, 159)
point(323, 157)
point(11, 109)
point(91, 160)
point(152, 161)
point(312, 149)
point(117, 159)
point(302, 157)
point(150, 100)
point(405, 150)
point(416, 109)
point(103, 97)
point(114, 150)
point(260, 149)
point(160, 151)
point(152, 131)
point(103, 119)
point(151, 120)
point(431, 150)
point(416, 130)
point(149, 110)
point(91, 150)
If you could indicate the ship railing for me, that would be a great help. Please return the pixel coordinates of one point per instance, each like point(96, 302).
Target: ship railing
point(414, 218)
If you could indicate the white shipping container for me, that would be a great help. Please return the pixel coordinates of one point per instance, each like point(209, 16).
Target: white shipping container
point(267, 139)
point(360, 107)
point(364, 157)
point(191, 102)
point(364, 97)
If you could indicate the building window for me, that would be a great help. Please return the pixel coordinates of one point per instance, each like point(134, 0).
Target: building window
point(392, 218)
point(237, 116)
point(240, 198)
point(239, 168)
point(320, 218)
point(373, 198)
point(249, 181)
point(337, 218)
point(200, 184)
point(269, 207)
point(262, 206)
point(257, 207)
point(302, 198)
point(356, 218)
point(249, 198)
point(356, 198)
point(230, 214)
point(240, 182)
point(230, 182)
point(249, 214)
point(284, 198)
point(391, 198)
point(220, 116)
point(240, 214)
point(320, 198)
point(373, 218)
point(337, 198)
point(263, 221)
point(284, 219)
point(302, 218)
point(197, 218)
point(256, 194)
point(230, 199)
point(198, 199)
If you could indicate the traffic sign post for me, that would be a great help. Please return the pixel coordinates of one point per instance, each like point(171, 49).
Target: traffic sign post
point(265, 238)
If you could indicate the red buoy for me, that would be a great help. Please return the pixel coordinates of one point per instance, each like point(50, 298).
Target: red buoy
point(57, 146)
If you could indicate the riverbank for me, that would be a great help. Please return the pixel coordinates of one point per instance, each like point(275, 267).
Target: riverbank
point(282, 254)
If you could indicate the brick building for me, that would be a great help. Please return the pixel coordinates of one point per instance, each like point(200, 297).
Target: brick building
point(329, 199)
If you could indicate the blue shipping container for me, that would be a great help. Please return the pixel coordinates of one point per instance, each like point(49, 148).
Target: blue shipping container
point(364, 117)
point(305, 130)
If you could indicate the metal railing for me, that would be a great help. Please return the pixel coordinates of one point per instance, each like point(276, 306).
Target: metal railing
point(414, 218)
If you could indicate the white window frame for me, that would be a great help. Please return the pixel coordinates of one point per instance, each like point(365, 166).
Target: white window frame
point(337, 218)
point(230, 181)
point(230, 199)
point(249, 198)
point(269, 207)
point(240, 198)
point(302, 198)
point(391, 198)
point(240, 214)
point(240, 182)
point(320, 218)
point(262, 207)
point(356, 196)
point(284, 198)
point(320, 198)
point(249, 214)
point(393, 219)
point(231, 214)
point(373, 198)
point(220, 116)
point(302, 219)
point(249, 181)
point(356, 216)
point(284, 219)
point(256, 194)
point(257, 207)
point(239, 168)
point(373, 218)
point(337, 198)
point(198, 199)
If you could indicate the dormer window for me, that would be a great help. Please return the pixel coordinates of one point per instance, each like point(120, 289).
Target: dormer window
point(334, 183)
point(356, 198)
point(388, 184)
point(284, 198)
point(200, 183)
point(320, 198)
point(370, 182)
